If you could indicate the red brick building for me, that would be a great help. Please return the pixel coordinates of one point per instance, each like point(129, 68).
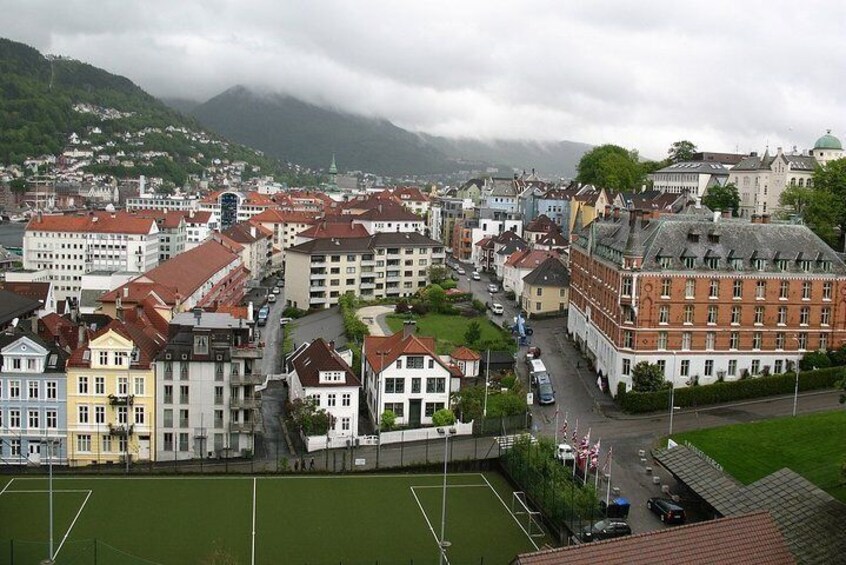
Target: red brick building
point(706, 298)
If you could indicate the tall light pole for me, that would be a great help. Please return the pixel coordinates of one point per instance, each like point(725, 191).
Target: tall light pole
point(796, 387)
point(443, 543)
point(48, 443)
point(672, 393)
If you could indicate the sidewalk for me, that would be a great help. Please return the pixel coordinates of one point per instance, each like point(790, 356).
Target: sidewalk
point(374, 318)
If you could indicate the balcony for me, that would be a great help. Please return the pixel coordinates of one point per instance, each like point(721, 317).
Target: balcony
point(318, 261)
point(367, 285)
point(317, 300)
point(368, 262)
point(247, 352)
point(121, 400)
point(317, 285)
point(245, 403)
point(248, 379)
point(318, 276)
point(244, 428)
point(121, 430)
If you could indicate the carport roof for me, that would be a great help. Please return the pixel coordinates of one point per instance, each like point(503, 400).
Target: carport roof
point(715, 487)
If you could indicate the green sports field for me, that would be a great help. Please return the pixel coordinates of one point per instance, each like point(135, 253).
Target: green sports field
point(813, 445)
point(295, 519)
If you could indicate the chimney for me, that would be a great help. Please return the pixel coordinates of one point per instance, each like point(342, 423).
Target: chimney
point(332, 344)
point(726, 214)
point(717, 215)
point(250, 310)
point(607, 210)
point(698, 201)
point(765, 218)
point(126, 292)
point(198, 314)
point(80, 335)
point(253, 231)
point(755, 219)
point(408, 328)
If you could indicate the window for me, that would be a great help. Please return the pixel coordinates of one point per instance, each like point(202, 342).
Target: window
point(782, 315)
point(823, 342)
point(394, 385)
point(714, 289)
point(201, 345)
point(99, 414)
point(168, 418)
point(686, 340)
point(756, 340)
point(168, 441)
point(779, 340)
point(414, 362)
point(139, 386)
point(756, 366)
point(806, 290)
point(760, 290)
point(183, 441)
point(663, 314)
point(432, 407)
point(666, 284)
point(346, 399)
point(827, 290)
point(398, 408)
point(83, 443)
point(688, 314)
point(685, 368)
point(732, 367)
point(218, 371)
point(825, 316)
point(33, 419)
point(627, 286)
point(662, 340)
point(399, 363)
point(82, 414)
point(779, 366)
point(218, 395)
point(14, 418)
point(712, 315)
point(709, 367)
point(662, 366)
point(689, 288)
point(737, 289)
point(168, 370)
point(122, 415)
point(710, 340)
point(759, 315)
point(435, 385)
point(99, 385)
point(123, 386)
point(627, 366)
point(331, 399)
point(734, 340)
point(183, 394)
point(735, 315)
point(104, 358)
point(183, 418)
point(81, 385)
point(783, 290)
point(183, 371)
point(52, 390)
point(804, 315)
point(120, 358)
point(139, 415)
point(802, 337)
point(218, 418)
point(345, 424)
point(52, 419)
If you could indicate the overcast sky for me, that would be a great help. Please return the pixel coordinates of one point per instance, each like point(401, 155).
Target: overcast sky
point(733, 74)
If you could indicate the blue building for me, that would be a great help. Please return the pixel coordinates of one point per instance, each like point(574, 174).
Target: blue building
point(33, 399)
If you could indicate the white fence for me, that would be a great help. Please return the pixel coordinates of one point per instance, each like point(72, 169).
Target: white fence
point(315, 443)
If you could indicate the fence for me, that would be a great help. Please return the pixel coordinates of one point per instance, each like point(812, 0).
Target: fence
point(80, 552)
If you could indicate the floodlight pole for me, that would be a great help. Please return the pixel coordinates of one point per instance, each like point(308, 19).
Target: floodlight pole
point(487, 376)
point(796, 387)
point(443, 544)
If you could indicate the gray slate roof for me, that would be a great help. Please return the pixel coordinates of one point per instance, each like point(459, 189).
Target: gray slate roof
point(551, 272)
point(364, 244)
point(670, 237)
point(14, 306)
point(700, 167)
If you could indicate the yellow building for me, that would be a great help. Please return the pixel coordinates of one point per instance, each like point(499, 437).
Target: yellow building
point(546, 290)
point(111, 397)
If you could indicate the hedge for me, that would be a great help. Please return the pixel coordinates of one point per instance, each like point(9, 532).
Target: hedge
point(726, 391)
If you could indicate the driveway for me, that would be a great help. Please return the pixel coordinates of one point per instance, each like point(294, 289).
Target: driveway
point(374, 318)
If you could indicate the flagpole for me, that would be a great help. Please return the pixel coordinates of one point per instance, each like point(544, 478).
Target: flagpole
point(556, 427)
point(608, 489)
point(576, 460)
point(487, 375)
point(596, 471)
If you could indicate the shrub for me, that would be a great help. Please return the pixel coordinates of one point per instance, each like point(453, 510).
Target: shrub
point(354, 329)
point(510, 295)
point(443, 417)
point(473, 333)
point(448, 284)
point(814, 360)
point(293, 312)
point(479, 306)
point(647, 377)
point(310, 420)
point(402, 306)
point(389, 420)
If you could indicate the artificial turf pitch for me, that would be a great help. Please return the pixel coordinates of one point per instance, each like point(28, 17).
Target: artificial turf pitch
point(294, 519)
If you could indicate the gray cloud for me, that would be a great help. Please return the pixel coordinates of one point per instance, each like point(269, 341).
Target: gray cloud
point(727, 75)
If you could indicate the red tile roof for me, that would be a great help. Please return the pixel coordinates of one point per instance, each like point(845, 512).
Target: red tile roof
point(742, 540)
point(32, 290)
point(167, 220)
point(382, 351)
point(542, 224)
point(340, 229)
point(277, 216)
point(528, 258)
point(197, 217)
point(148, 347)
point(465, 354)
point(317, 357)
point(95, 222)
point(251, 198)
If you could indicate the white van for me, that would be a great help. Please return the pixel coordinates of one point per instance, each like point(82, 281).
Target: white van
point(536, 368)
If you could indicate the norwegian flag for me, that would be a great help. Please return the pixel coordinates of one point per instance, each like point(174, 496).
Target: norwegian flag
point(576, 433)
point(585, 444)
point(594, 455)
point(564, 429)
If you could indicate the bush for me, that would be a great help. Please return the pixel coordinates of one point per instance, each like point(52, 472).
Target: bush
point(354, 329)
point(639, 402)
point(293, 312)
point(402, 306)
point(448, 284)
point(814, 360)
point(479, 306)
point(510, 295)
point(647, 377)
point(443, 417)
point(389, 420)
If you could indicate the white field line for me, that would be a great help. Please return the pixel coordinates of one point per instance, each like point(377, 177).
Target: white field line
point(43, 491)
point(253, 558)
point(504, 505)
point(7, 486)
point(75, 518)
point(449, 486)
point(243, 478)
point(431, 529)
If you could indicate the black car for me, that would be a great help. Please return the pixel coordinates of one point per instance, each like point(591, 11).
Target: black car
point(667, 510)
point(605, 529)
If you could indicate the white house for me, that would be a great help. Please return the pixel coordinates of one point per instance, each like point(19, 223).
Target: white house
point(402, 373)
point(318, 372)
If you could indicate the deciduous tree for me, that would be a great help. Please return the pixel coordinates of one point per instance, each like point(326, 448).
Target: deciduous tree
point(647, 377)
point(723, 198)
point(611, 166)
point(681, 151)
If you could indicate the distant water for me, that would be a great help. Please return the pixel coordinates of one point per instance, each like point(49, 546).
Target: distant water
point(11, 234)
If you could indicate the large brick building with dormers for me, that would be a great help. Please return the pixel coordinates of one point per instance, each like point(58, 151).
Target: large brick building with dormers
point(704, 298)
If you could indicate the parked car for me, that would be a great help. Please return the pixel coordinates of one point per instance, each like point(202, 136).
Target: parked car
point(546, 394)
point(533, 353)
point(605, 529)
point(285, 321)
point(280, 283)
point(460, 271)
point(477, 276)
point(565, 453)
point(497, 308)
point(276, 290)
point(666, 509)
point(492, 288)
point(272, 298)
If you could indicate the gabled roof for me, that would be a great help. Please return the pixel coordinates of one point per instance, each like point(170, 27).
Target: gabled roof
point(542, 224)
point(277, 216)
point(553, 239)
point(56, 357)
point(166, 220)
point(32, 290)
point(246, 233)
point(383, 351)
point(13, 305)
point(93, 222)
point(197, 217)
point(386, 212)
point(528, 258)
point(742, 540)
point(338, 230)
point(551, 272)
point(464, 354)
point(148, 347)
point(319, 356)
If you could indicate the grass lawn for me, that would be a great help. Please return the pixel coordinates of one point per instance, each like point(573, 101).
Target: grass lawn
point(813, 446)
point(449, 331)
point(301, 519)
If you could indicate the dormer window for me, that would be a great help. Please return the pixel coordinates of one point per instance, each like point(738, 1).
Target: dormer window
point(693, 237)
point(714, 237)
point(689, 262)
point(201, 345)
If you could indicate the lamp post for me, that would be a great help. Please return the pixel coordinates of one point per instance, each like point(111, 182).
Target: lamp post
point(443, 543)
point(796, 387)
point(48, 443)
point(672, 393)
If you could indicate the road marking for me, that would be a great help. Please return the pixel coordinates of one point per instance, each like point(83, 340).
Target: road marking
point(7, 486)
point(431, 529)
point(75, 518)
point(253, 559)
